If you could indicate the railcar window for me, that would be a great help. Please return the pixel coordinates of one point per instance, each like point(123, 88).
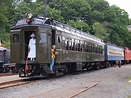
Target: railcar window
point(59, 40)
point(101, 50)
point(63, 37)
point(73, 47)
point(67, 44)
point(81, 45)
point(89, 48)
point(73, 44)
point(95, 48)
point(63, 43)
point(97, 51)
point(15, 38)
point(70, 45)
point(85, 47)
point(1, 59)
point(76, 45)
point(43, 37)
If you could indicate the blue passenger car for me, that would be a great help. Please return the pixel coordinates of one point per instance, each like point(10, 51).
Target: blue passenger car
point(113, 53)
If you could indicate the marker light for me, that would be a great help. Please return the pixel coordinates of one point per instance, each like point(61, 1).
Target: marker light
point(28, 21)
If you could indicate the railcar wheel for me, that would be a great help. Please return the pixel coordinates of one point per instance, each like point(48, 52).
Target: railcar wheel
point(107, 65)
point(65, 70)
point(97, 67)
point(21, 73)
point(6, 69)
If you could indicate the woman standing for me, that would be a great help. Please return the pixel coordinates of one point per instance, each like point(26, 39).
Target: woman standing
point(32, 47)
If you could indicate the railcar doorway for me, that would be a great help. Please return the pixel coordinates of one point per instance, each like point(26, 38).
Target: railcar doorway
point(53, 37)
point(27, 37)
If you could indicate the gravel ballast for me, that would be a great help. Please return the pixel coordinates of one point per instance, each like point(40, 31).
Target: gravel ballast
point(112, 83)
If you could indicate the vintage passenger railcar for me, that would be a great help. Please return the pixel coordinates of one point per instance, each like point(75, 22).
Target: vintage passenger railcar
point(77, 50)
point(113, 54)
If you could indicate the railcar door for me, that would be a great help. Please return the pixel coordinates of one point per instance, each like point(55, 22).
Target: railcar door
point(47, 39)
point(51, 42)
point(15, 46)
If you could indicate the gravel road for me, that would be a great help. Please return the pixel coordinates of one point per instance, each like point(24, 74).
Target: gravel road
point(105, 83)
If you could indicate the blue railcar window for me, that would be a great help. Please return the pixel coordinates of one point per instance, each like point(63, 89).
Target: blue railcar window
point(15, 38)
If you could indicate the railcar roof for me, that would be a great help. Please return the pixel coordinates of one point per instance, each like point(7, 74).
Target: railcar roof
point(111, 44)
point(74, 31)
point(50, 23)
point(35, 22)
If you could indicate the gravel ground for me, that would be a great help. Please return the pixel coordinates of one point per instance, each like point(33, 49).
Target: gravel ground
point(112, 83)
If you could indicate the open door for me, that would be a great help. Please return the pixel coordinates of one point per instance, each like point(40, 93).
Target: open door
point(27, 38)
point(53, 37)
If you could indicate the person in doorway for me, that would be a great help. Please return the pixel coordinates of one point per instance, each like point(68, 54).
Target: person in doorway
point(53, 55)
point(32, 47)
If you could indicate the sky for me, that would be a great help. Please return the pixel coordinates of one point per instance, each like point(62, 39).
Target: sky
point(123, 4)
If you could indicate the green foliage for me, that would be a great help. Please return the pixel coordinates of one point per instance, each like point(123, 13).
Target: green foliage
point(5, 39)
point(93, 16)
point(53, 13)
point(100, 31)
point(72, 9)
point(5, 21)
point(79, 25)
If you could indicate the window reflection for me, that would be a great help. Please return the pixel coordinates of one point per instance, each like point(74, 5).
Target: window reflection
point(15, 38)
point(43, 37)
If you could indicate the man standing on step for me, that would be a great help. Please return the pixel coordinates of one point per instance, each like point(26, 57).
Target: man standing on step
point(53, 55)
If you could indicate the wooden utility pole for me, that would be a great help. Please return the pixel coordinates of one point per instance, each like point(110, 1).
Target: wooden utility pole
point(45, 8)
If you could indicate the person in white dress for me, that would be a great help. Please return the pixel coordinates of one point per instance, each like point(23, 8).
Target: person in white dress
point(32, 47)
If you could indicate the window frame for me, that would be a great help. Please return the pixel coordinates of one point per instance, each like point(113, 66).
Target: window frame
point(18, 38)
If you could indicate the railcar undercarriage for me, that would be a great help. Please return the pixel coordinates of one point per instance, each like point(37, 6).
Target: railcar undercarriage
point(43, 69)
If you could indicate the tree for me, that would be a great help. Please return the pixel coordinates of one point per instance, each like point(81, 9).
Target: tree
point(79, 25)
point(72, 9)
point(5, 22)
point(100, 31)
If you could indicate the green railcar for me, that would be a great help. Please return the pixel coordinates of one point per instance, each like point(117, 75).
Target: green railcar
point(76, 49)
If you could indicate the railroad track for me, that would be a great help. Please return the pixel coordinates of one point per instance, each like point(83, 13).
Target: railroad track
point(28, 80)
point(19, 82)
point(6, 74)
point(68, 91)
point(86, 88)
point(13, 83)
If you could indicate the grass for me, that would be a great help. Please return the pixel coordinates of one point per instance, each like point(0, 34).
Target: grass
point(129, 96)
point(129, 79)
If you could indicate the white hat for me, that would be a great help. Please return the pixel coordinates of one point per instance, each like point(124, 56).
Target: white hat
point(32, 35)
